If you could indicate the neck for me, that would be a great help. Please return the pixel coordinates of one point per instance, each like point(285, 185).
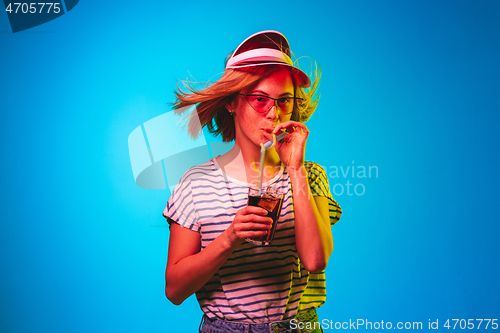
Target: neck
point(243, 164)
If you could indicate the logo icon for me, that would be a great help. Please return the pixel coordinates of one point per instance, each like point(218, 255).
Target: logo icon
point(161, 151)
point(26, 15)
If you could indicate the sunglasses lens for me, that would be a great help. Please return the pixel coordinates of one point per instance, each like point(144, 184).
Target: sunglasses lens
point(262, 104)
point(285, 104)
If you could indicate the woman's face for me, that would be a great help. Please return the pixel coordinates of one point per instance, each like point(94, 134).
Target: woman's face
point(253, 127)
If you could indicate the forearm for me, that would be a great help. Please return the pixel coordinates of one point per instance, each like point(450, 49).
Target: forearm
point(191, 273)
point(313, 236)
point(189, 269)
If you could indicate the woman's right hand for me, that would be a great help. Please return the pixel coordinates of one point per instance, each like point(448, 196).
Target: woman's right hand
point(249, 222)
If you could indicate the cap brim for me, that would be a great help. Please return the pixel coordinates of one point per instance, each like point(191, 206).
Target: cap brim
point(301, 78)
point(263, 49)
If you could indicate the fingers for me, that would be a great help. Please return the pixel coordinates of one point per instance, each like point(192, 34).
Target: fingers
point(259, 220)
point(251, 226)
point(253, 210)
point(290, 126)
point(251, 233)
point(250, 222)
point(255, 221)
point(252, 217)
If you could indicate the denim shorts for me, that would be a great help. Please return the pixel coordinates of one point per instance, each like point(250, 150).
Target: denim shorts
point(306, 322)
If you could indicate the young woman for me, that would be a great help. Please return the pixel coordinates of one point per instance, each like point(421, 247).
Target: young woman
point(238, 284)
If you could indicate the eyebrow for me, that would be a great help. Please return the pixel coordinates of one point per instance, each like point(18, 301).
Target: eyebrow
point(260, 92)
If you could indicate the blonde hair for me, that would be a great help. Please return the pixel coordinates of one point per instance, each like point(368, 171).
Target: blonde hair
point(211, 102)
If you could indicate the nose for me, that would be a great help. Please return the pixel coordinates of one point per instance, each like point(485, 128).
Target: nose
point(273, 112)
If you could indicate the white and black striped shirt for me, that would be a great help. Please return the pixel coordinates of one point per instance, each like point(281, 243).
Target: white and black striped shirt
point(257, 283)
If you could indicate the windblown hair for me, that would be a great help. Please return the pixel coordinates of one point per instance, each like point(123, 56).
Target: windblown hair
point(210, 110)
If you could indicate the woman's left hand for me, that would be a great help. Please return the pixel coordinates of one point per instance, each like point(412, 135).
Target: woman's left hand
point(293, 148)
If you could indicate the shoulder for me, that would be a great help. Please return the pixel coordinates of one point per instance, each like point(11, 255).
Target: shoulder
point(318, 183)
point(204, 170)
point(315, 170)
point(184, 183)
point(313, 166)
point(198, 175)
point(181, 206)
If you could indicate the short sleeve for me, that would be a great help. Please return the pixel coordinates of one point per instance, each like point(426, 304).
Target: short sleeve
point(318, 182)
point(181, 208)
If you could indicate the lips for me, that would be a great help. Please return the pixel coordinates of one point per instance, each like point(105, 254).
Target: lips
point(268, 133)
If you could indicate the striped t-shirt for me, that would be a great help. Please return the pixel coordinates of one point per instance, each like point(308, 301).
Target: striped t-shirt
point(257, 283)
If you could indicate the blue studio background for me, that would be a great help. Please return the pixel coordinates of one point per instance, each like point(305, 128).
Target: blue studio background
point(409, 88)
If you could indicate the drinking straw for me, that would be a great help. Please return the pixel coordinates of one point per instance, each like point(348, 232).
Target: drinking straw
point(261, 166)
point(270, 143)
point(263, 148)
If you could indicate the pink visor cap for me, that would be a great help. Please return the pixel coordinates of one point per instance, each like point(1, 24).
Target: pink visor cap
point(266, 48)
